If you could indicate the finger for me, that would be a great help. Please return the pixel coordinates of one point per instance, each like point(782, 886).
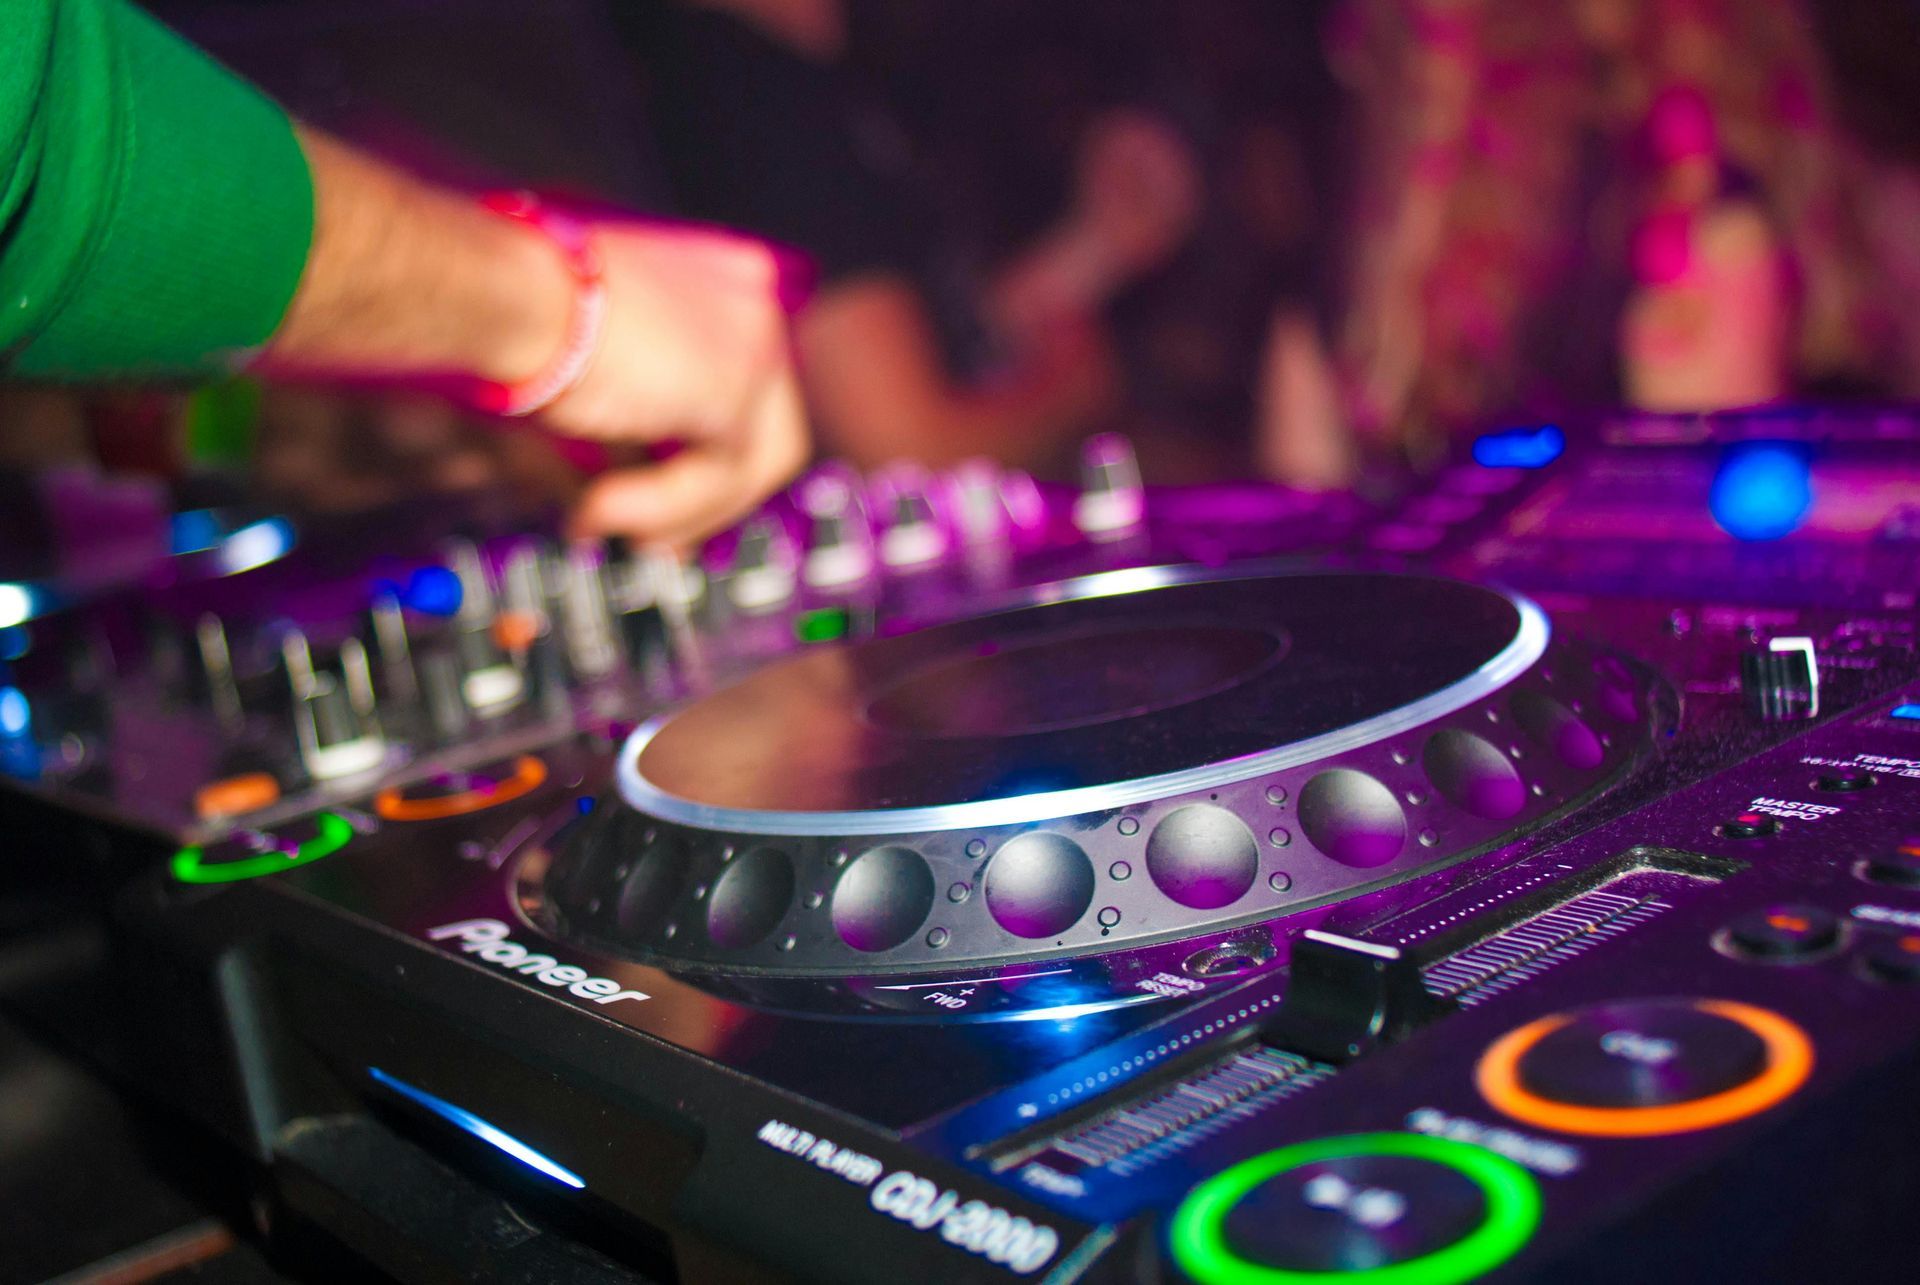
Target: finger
point(705, 487)
point(672, 503)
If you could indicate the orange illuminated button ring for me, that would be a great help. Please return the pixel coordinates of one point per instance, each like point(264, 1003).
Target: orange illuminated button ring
point(529, 773)
point(1789, 1060)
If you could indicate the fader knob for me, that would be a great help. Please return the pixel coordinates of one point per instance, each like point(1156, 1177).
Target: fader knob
point(523, 616)
point(333, 712)
point(980, 509)
point(440, 693)
point(390, 638)
point(586, 619)
point(1111, 500)
point(489, 684)
point(763, 576)
point(914, 536)
point(632, 602)
point(1783, 681)
point(840, 539)
point(216, 661)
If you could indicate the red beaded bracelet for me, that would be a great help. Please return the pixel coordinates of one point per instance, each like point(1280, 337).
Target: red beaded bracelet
point(573, 237)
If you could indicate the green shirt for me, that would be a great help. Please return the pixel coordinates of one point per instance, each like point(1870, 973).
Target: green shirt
point(155, 211)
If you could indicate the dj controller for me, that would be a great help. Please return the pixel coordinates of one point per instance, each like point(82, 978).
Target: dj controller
point(948, 877)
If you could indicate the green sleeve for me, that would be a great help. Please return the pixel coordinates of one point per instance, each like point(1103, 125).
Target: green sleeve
point(155, 211)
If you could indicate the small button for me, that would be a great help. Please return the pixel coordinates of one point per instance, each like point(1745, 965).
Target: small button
point(1360, 1207)
point(1892, 958)
point(1897, 866)
point(1784, 932)
point(1845, 780)
point(1749, 825)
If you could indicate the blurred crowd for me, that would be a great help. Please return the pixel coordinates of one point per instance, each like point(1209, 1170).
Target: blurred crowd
point(1305, 241)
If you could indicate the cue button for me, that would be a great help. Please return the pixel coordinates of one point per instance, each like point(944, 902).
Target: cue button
point(1645, 1054)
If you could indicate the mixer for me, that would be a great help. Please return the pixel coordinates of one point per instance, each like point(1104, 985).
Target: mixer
point(950, 877)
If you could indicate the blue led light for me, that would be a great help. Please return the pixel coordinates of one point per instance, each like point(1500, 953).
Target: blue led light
point(462, 1118)
point(15, 642)
point(433, 591)
point(16, 716)
point(1068, 1015)
point(196, 530)
point(19, 751)
point(1762, 490)
point(584, 804)
point(1909, 711)
point(1520, 447)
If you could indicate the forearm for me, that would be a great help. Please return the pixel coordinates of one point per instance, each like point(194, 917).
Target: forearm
point(404, 278)
point(154, 210)
point(160, 218)
point(1067, 274)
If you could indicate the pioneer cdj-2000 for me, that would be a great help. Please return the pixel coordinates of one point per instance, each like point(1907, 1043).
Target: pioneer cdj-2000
point(954, 878)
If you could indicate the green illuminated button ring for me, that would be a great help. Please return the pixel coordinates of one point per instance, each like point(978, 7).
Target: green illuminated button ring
point(251, 855)
point(1372, 1208)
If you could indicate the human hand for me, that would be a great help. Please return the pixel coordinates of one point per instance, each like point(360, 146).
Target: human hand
point(411, 283)
point(1137, 195)
point(1137, 189)
point(695, 355)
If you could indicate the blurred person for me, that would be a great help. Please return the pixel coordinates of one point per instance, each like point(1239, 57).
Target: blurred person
point(159, 219)
point(1246, 88)
point(1646, 201)
point(1236, 319)
point(763, 125)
